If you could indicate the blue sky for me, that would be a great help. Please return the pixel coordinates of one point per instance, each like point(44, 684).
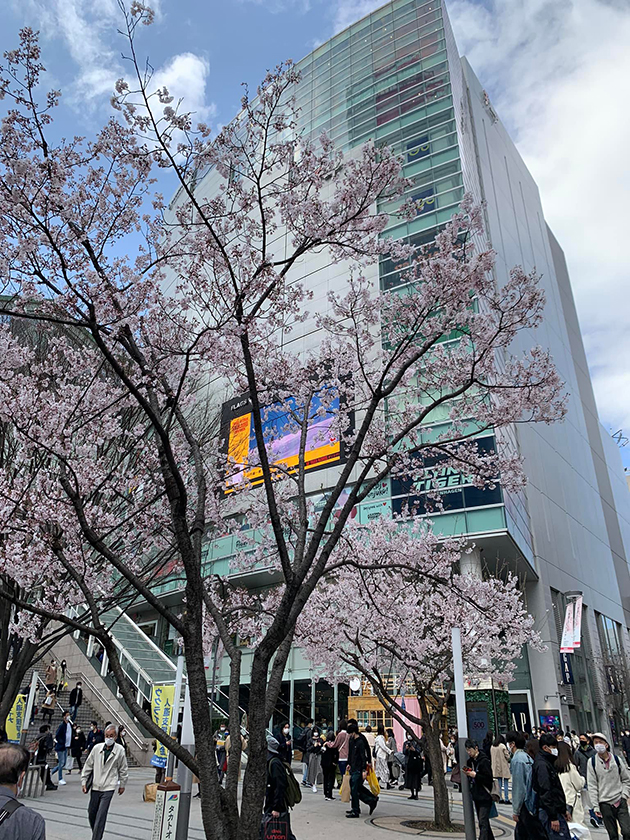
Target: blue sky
point(558, 73)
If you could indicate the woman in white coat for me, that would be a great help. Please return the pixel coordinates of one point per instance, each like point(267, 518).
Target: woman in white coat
point(382, 752)
point(572, 782)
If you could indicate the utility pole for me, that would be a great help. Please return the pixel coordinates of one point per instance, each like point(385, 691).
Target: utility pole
point(176, 706)
point(462, 730)
point(184, 775)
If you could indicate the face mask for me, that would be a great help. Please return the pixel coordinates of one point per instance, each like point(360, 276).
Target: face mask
point(286, 731)
point(583, 744)
point(554, 751)
point(601, 748)
point(109, 742)
point(78, 685)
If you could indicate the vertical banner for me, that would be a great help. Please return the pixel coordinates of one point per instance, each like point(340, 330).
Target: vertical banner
point(15, 719)
point(577, 623)
point(566, 645)
point(566, 669)
point(162, 699)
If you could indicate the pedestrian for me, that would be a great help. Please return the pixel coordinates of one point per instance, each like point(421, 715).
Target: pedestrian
point(51, 676)
point(49, 705)
point(381, 754)
point(330, 757)
point(456, 772)
point(219, 749)
point(414, 768)
point(107, 765)
point(524, 809)
point(20, 822)
point(370, 737)
point(393, 746)
point(228, 746)
point(122, 740)
point(341, 743)
point(63, 741)
point(277, 784)
point(625, 744)
point(282, 734)
point(552, 803)
point(609, 788)
point(43, 746)
point(77, 745)
point(581, 756)
point(575, 740)
point(359, 760)
point(479, 770)
point(301, 744)
point(486, 744)
point(314, 744)
point(76, 700)
point(95, 736)
point(61, 676)
point(500, 760)
point(572, 782)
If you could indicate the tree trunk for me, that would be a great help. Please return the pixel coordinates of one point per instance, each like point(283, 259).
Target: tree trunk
point(442, 815)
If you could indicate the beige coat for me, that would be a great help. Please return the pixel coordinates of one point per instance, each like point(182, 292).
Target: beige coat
point(572, 784)
point(108, 775)
point(500, 758)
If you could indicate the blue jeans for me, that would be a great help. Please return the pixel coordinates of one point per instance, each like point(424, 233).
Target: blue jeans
point(563, 834)
point(503, 788)
point(73, 713)
point(305, 773)
point(62, 756)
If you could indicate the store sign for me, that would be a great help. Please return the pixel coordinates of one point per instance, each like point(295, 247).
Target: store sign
point(442, 479)
point(566, 669)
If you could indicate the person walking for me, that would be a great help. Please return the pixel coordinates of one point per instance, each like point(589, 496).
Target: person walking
point(479, 770)
point(63, 741)
point(359, 759)
point(282, 734)
point(77, 745)
point(219, 747)
point(608, 781)
point(414, 769)
point(314, 744)
point(330, 757)
point(585, 751)
point(552, 803)
point(341, 743)
point(370, 737)
point(49, 705)
point(277, 783)
point(61, 676)
point(50, 677)
point(44, 745)
point(500, 760)
point(76, 700)
point(20, 822)
point(95, 736)
point(381, 754)
point(572, 782)
point(528, 825)
point(393, 746)
point(301, 743)
point(107, 764)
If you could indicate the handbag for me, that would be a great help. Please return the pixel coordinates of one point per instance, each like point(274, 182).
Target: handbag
point(275, 828)
point(373, 782)
point(344, 793)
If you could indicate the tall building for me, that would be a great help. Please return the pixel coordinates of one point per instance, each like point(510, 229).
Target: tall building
point(396, 77)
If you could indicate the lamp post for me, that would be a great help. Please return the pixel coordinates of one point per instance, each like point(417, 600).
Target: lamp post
point(462, 730)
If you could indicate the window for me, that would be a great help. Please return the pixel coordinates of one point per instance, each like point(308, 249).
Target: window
point(372, 717)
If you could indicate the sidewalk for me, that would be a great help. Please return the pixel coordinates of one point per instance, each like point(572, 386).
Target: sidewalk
point(131, 818)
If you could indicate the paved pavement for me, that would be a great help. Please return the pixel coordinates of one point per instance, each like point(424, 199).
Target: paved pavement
point(132, 819)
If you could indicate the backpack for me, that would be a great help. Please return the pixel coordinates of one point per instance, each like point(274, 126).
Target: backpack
point(592, 760)
point(293, 794)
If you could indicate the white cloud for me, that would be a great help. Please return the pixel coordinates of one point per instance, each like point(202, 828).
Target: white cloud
point(559, 76)
point(349, 11)
point(186, 76)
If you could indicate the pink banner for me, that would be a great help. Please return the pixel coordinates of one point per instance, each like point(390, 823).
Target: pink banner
point(566, 645)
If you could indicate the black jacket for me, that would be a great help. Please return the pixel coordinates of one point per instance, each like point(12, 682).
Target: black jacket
point(547, 785)
point(285, 745)
point(45, 744)
point(581, 758)
point(94, 738)
point(77, 745)
point(314, 743)
point(359, 754)
point(61, 735)
point(413, 752)
point(276, 785)
point(481, 785)
point(625, 744)
point(330, 757)
point(76, 697)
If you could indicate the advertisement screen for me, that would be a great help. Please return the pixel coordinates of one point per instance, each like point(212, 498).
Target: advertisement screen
point(282, 438)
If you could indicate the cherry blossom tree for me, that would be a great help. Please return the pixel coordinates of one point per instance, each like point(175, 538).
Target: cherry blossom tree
point(137, 316)
point(394, 612)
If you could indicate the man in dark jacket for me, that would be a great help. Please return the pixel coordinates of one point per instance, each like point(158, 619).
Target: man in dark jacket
point(76, 699)
point(552, 805)
point(479, 771)
point(359, 759)
point(63, 739)
point(95, 736)
point(581, 756)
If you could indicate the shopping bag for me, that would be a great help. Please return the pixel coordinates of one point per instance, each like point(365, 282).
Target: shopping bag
point(344, 793)
point(275, 828)
point(150, 792)
point(373, 782)
point(579, 832)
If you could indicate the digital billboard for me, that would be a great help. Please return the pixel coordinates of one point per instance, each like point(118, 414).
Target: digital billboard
point(282, 437)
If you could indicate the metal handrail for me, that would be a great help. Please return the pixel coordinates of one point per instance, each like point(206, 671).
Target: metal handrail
point(155, 647)
point(40, 680)
point(138, 741)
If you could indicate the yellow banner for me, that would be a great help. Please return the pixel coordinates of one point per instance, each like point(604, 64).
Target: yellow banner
point(15, 719)
point(162, 700)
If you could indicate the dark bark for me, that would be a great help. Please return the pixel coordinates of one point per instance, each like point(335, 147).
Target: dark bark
point(431, 732)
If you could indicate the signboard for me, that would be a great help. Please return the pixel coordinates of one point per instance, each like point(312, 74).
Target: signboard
point(477, 721)
point(566, 645)
point(566, 669)
point(282, 434)
point(167, 798)
point(15, 719)
point(162, 699)
point(549, 719)
point(577, 623)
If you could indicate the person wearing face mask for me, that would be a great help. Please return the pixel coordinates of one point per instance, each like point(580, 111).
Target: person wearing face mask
point(18, 822)
point(76, 700)
point(479, 770)
point(584, 752)
point(219, 743)
point(527, 825)
point(282, 734)
point(552, 803)
point(609, 788)
point(107, 765)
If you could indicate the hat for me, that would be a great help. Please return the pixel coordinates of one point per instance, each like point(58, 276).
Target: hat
point(602, 736)
point(272, 744)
